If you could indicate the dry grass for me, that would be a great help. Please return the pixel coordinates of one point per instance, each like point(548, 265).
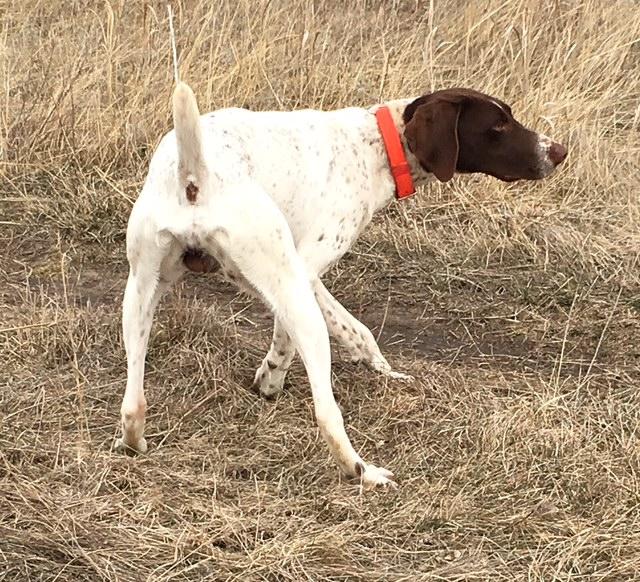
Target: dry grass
point(515, 306)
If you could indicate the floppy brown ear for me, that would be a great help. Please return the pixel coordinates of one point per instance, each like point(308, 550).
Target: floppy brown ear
point(432, 136)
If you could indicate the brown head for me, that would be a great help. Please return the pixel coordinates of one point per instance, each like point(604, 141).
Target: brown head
point(461, 130)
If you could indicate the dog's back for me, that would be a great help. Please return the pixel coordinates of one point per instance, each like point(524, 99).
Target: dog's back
point(313, 164)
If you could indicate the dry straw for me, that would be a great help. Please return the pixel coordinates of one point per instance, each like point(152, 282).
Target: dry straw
point(516, 307)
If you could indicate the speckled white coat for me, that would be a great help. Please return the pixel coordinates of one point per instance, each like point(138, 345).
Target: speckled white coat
point(280, 197)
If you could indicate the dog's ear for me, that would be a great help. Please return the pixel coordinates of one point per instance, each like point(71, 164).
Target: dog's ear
point(432, 136)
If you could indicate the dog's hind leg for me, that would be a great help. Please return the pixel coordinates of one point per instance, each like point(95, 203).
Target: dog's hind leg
point(254, 235)
point(353, 335)
point(153, 268)
point(270, 375)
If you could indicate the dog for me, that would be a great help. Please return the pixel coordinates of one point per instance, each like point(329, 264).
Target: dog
point(272, 199)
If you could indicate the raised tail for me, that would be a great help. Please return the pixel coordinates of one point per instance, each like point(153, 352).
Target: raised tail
point(192, 169)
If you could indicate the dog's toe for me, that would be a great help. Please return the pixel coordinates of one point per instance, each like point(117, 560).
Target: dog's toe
point(399, 376)
point(120, 446)
point(383, 368)
point(268, 383)
point(372, 476)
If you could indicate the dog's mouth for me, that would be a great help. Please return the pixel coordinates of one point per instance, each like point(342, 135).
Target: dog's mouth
point(531, 174)
point(509, 177)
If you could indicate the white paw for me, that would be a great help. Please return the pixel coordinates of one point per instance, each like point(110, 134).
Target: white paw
point(269, 382)
point(121, 447)
point(385, 369)
point(398, 376)
point(373, 476)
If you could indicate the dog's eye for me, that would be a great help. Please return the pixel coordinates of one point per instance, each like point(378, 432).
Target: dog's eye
point(497, 130)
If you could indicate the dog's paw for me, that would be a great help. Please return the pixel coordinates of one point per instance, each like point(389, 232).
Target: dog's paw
point(382, 367)
point(385, 370)
point(398, 376)
point(268, 382)
point(371, 476)
point(121, 447)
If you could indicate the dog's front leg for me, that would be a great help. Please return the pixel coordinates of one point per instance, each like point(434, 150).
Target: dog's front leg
point(270, 375)
point(353, 335)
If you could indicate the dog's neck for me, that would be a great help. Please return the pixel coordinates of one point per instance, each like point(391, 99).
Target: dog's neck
point(396, 108)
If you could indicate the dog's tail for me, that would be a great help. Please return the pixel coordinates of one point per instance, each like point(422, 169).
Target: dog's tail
point(186, 121)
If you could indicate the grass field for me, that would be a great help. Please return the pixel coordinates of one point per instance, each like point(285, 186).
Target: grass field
point(516, 307)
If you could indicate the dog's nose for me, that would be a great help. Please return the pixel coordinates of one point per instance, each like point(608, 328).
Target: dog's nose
point(557, 153)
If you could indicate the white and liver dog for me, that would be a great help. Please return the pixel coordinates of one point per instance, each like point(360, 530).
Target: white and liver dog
point(273, 199)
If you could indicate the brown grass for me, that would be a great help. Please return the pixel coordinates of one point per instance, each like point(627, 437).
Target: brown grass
point(516, 307)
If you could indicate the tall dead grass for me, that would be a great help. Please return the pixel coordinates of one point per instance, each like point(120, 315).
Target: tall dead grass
point(516, 307)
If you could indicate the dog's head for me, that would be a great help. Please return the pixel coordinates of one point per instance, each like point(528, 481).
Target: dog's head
point(460, 130)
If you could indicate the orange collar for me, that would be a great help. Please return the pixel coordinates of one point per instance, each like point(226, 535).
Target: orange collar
point(400, 169)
